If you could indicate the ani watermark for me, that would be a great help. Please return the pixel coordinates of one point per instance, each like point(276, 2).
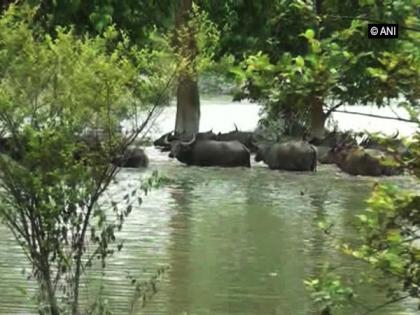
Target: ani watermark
point(382, 30)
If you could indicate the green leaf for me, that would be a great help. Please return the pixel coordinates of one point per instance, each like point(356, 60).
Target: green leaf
point(309, 34)
point(362, 217)
point(300, 62)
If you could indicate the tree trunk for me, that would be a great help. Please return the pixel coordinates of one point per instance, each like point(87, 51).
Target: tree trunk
point(188, 99)
point(318, 118)
point(47, 285)
point(52, 300)
point(188, 107)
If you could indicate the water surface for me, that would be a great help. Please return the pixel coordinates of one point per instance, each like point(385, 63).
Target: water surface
point(238, 240)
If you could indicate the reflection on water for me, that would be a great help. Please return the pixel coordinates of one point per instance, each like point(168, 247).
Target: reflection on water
point(238, 241)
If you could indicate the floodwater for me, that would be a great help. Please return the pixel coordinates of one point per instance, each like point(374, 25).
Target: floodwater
point(238, 241)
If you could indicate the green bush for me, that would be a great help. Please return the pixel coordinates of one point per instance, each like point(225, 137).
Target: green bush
point(52, 91)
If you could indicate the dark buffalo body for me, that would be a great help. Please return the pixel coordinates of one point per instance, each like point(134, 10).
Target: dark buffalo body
point(290, 156)
point(132, 157)
point(334, 138)
point(244, 137)
point(211, 153)
point(357, 160)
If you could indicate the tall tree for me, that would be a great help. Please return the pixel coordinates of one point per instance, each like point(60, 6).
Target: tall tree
point(337, 65)
point(187, 96)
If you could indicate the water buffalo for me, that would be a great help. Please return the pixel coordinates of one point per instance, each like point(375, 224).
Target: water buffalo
point(211, 153)
point(356, 160)
point(393, 145)
point(164, 141)
point(331, 139)
point(99, 149)
point(291, 156)
point(335, 137)
point(132, 157)
point(244, 137)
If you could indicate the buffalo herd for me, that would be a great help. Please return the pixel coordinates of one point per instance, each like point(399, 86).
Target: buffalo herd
point(370, 155)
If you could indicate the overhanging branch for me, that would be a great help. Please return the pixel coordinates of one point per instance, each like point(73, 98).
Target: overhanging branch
point(377, 116)
point(333, 108)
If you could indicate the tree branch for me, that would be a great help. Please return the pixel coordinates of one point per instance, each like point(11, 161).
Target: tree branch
point(332, 109)
point(377, 116)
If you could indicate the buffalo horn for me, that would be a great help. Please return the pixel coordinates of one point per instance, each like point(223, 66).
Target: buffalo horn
point(397, 133)
point(189, 142)
point(165, 140)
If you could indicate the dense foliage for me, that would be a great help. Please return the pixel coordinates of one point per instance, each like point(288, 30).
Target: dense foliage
point(57, 169)
point(136, 18)
point(327, 62)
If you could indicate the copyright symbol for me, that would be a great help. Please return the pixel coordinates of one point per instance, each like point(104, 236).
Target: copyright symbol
point(374, 30)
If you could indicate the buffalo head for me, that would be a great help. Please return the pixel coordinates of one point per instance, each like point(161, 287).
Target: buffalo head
point(244, 137)
point(181, 148)
point(260, 152)
point(208, 135)
point(162, 140)
point(339, 150)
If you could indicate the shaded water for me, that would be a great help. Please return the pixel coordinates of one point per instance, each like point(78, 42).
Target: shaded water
point(238, 241)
